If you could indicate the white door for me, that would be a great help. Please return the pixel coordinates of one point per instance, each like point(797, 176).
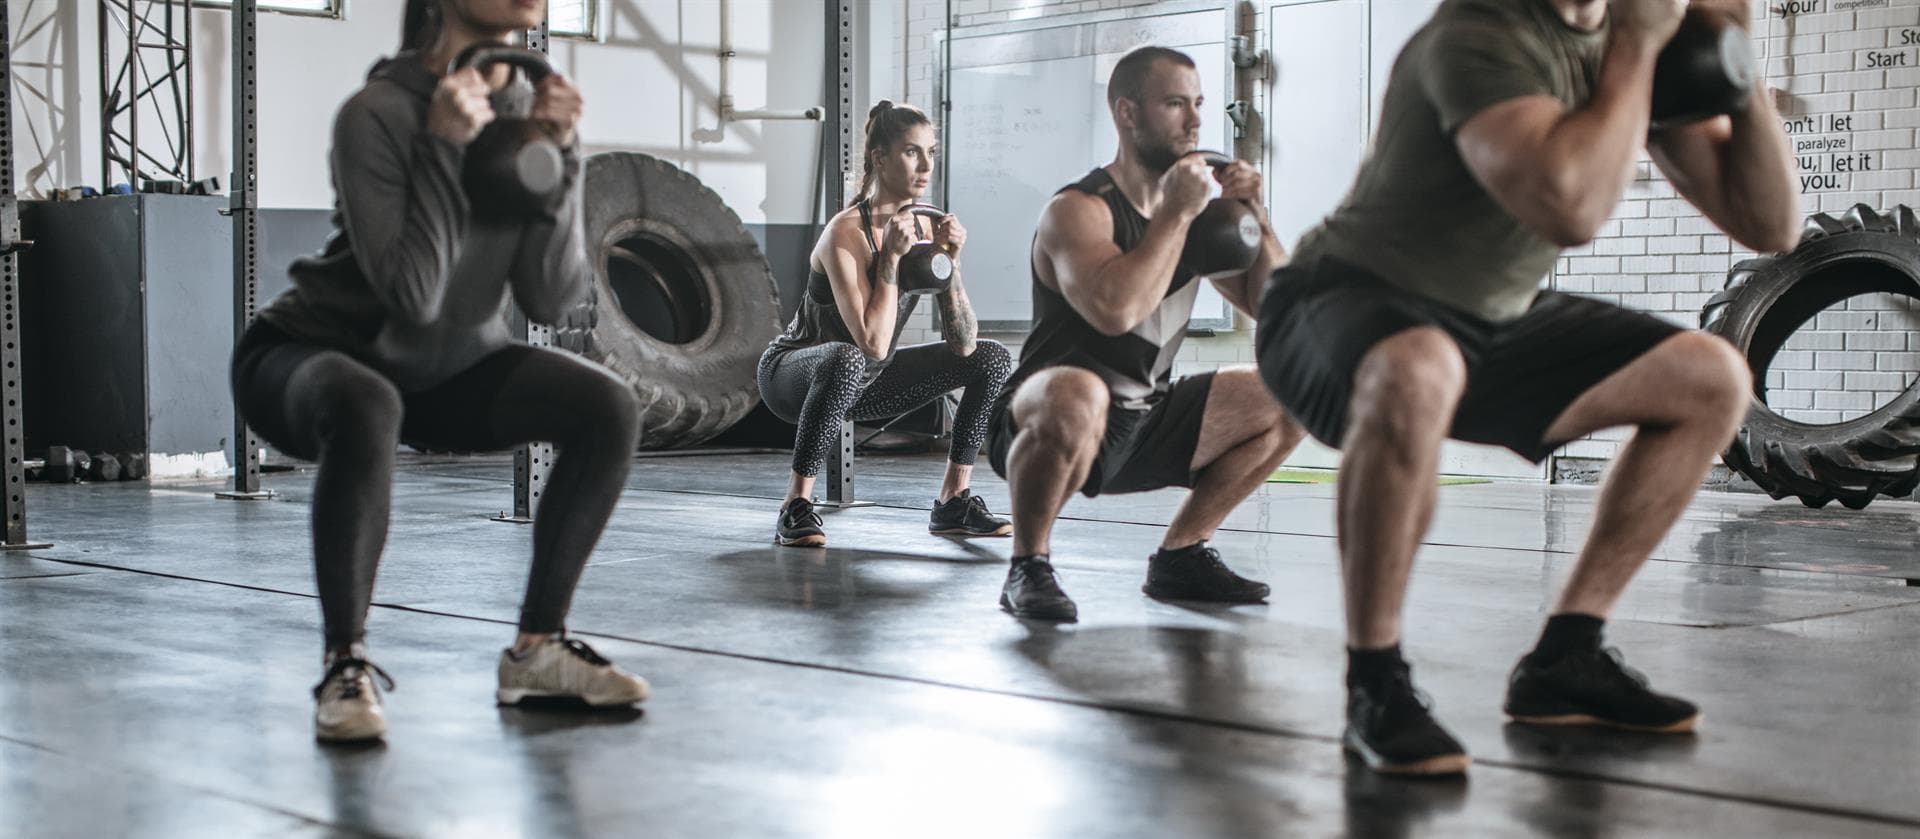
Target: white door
point(1330, 62)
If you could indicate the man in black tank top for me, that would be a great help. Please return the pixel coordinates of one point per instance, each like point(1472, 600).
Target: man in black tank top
point(1093, 405)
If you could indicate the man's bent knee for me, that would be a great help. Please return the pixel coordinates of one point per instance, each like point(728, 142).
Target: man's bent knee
point(1254, 407)
point(1719, 380)
point(614, 405)
point(1416, 373)
point(1063, 407)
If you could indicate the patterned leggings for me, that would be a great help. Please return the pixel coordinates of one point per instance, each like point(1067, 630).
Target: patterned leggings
point(816, 387)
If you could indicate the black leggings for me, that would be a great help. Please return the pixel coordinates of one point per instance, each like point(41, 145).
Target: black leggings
point(321, 404)
point(816, 387)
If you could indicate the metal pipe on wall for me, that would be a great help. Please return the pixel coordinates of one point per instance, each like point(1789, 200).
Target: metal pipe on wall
point(728, 113)
point(944, 93)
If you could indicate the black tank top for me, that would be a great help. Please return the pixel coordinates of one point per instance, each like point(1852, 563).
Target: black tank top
point(1136, 366)
point(817, 320)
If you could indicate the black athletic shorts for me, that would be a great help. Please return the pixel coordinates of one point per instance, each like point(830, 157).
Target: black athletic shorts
point(1140, 451)
point(1318, 321)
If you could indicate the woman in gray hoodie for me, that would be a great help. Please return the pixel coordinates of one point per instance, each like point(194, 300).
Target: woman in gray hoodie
point(395, 332)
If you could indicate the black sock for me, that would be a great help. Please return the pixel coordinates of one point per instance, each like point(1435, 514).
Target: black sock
point(1566, 633)
point(1188, 549)
point(1371, 667)
point(1046, 558)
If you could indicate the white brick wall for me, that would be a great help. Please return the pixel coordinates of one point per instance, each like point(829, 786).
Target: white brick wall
point(1850, 76)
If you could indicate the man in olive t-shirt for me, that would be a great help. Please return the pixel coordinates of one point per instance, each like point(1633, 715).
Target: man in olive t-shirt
point(1414, 314)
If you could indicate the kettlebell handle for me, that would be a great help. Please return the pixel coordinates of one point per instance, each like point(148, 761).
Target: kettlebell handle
point(483, 57)
point(1215, 159)
point(927, 210)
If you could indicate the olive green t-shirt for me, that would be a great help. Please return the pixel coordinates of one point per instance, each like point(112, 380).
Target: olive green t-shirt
point(1416, 216)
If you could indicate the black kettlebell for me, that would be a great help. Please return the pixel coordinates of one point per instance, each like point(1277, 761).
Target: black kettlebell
point(1705, 71)
point(926, 268)
point(1225, 238)
point(514, 167)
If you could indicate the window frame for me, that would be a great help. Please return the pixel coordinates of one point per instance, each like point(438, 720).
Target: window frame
point(592, 33)
point(337, 8)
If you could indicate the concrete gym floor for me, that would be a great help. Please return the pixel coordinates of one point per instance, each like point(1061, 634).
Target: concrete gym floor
point(155, 667)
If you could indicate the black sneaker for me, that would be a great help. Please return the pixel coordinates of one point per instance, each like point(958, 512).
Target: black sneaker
point(799, 525)
point(1594, 687)
point(1196, 573)
point(1391, 728)
point(966, 515)
point(1031, 591)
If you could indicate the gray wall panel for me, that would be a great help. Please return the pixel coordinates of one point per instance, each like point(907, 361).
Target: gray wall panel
point(189, 277)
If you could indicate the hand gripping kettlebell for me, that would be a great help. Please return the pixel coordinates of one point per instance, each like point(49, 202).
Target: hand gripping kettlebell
point(1225, 238)
point(514, 167)
point(926, 268)
point(1706, 70)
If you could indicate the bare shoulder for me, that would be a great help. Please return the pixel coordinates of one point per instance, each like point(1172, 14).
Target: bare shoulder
point(1072, 213)
point(1075, 234)
point(842, 233)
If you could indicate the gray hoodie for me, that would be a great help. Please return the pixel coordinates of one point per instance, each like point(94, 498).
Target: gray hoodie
point(409, 282)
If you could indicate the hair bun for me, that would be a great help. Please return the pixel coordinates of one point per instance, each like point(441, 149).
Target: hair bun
point(880, 107)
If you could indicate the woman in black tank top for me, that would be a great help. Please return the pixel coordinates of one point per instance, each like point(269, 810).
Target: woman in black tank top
point(840, 358)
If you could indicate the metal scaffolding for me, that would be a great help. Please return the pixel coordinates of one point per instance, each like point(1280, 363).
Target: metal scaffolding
point(146, 88)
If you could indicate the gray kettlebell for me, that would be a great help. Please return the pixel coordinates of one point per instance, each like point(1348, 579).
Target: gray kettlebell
point(514, 167)
point(1706, 70)
point(926, 268)
point(1225, 238)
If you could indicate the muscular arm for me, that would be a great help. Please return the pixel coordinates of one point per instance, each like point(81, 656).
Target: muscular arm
point(1113, 291)
point(1739, 172)
point(1562, 171)
point(869, 312)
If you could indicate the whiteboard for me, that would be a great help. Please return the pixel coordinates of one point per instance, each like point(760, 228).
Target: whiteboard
point(1029, 116)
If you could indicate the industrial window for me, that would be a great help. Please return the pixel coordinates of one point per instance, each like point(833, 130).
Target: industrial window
point(329, 8)
point(566, 18)
point(572, 18)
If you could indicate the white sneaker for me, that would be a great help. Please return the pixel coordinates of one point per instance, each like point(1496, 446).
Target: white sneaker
point(347, 704)
point(566, 667)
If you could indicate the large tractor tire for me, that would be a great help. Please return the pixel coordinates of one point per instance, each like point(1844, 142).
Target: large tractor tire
point(683, 301)
point(1765, 301)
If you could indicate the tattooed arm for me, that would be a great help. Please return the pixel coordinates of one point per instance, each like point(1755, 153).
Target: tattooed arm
point(957, 324)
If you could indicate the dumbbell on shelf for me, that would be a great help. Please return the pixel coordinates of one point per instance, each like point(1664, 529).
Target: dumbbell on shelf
point(64, 465)
point(103, 467)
